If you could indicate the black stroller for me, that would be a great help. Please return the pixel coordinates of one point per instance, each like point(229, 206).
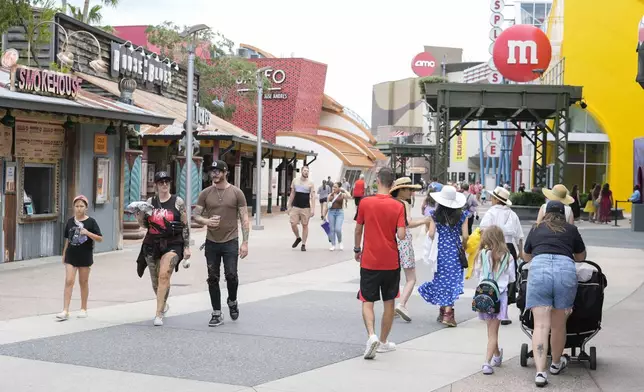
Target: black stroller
point(582, 325)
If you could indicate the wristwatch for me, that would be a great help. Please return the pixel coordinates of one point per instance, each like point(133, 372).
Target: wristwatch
point(357, 250)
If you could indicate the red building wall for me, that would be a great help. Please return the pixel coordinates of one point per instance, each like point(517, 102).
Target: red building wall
point(300, 111)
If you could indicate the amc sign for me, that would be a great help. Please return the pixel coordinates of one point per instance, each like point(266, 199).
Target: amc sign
point(424, 64)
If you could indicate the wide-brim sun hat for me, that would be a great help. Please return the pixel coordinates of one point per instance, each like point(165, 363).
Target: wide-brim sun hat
point(404, 182)
point(558, 192)
point(502, 195)
point(448, 197)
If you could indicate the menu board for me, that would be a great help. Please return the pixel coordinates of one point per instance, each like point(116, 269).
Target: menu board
point(40, 141)
point(5, 141)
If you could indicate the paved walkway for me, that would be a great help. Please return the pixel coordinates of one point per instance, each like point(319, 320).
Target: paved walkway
point(300, 328)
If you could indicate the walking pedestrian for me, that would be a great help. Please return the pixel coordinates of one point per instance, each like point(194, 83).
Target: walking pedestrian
point(605, 204)
point(221, 207)
point(381, 219)
point(560, 193)
point(166, 242)
point(576, 204)
point(358, 193)
point(471, 206)
point(301, 206)
point(323, 193)
point(494, 262)
point(552, 248)
point(336, 201)
point(500, 215)
point(80, 233)
point(449, 221)
point(403, 191)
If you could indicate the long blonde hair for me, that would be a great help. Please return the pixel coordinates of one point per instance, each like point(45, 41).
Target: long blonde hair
point(492, 239)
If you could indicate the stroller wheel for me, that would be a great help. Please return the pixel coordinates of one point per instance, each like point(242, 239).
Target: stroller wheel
point(524, 355)
point(593, 358)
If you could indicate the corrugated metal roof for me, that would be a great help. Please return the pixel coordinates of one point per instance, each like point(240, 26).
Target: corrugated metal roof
point(87, 104)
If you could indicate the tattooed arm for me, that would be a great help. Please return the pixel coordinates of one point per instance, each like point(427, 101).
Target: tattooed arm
point(242, 214)
point(181, 206)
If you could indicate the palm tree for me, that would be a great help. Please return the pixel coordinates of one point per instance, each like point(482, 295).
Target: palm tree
point(87, 12)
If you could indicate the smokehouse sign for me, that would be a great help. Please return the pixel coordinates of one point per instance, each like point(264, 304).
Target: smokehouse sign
point(44, 82)
point(145, 68)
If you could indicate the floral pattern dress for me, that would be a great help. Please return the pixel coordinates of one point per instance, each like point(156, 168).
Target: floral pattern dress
point(447, 285)
point(406, 246)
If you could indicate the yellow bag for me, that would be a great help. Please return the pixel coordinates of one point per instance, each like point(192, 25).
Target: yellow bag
point(473, 244)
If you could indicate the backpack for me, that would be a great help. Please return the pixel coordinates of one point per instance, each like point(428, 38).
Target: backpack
point(487, 294)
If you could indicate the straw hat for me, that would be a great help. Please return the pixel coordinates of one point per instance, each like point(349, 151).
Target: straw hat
point(404, 182)
point(502, 195)
point(448, 197)
point(558, 192)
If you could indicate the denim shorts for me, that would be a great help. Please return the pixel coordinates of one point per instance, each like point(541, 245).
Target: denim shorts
point(552, 282)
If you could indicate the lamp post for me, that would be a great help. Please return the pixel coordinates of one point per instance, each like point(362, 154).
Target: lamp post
point(192, 33)
point(258, 162)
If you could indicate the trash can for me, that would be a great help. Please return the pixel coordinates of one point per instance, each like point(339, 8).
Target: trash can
point(637, 217)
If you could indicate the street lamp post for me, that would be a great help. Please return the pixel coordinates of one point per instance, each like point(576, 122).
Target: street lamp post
point(258, 163)
point(191, 33)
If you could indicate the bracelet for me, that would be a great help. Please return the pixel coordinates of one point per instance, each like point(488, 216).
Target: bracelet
point(357, 250)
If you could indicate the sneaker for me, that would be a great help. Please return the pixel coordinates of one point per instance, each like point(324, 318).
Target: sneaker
point(341, 246)
point(62, 316)
point(217, 319)
point(497, 361)
point(372, 347)
point(82, 314)
point(303, 248)
point(158, 321)
point(296, 243)
point(557, 368)
point(386, 347)
point(332, 248)
point(403, 312)
point(487, 369)
point(186, 263)
point(506, 322)
point(166, 309)
point(541, 379)
point(234, 310)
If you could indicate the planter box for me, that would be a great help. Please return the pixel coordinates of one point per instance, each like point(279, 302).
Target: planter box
point(526, 213)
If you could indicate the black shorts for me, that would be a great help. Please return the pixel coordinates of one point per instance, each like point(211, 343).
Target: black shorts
point(375, 282)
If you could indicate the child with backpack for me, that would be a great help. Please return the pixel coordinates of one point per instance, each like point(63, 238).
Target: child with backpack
point(495, 268)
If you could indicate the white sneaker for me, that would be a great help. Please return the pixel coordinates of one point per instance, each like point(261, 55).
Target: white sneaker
point(403, 312)
point(497, 361)
point(166, 308)
point(158, 321)
point(62, 316)
point(332, 248)
point(372, 347)
point(541, 379)
point(386, 347)
point(186, 263)
point(556, 369)
point(341, 246)
point(82, 314)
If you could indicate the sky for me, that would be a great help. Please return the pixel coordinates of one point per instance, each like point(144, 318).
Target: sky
point(362, 42)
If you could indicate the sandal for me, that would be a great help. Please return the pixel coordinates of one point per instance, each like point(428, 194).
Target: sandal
point(448, 318)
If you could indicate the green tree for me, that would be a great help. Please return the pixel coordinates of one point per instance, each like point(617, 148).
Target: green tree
point(92, 16)
point(218, 75)
point(28, 14)
point(87, 11)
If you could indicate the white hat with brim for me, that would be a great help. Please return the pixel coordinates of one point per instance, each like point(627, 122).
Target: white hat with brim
point(558, 192)
point(404, 182)
point(448, 197)
point(502, 195)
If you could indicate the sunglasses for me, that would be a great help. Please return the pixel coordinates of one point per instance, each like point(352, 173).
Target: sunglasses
point(164, 182)
point(217, 171)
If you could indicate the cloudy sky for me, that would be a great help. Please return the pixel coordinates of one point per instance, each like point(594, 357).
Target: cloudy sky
point(362, 42)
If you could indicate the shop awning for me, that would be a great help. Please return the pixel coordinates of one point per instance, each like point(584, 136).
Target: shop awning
point(87, 104)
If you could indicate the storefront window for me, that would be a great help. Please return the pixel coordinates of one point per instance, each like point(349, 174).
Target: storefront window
point(587, 164)
point(576, 153)
point(596, 153)
point(39, 189)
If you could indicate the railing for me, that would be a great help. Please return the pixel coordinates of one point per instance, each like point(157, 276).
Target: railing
point(554, 76)
point(356, 117)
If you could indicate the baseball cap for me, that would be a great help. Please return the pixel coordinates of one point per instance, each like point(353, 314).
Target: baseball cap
point(162, 175)
point(556, 206)
point(219, 165)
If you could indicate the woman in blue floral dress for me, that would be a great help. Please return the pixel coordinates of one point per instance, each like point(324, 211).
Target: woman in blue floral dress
point(450, 223)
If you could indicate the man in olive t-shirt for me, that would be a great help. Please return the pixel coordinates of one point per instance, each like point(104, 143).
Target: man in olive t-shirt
point(219, 207)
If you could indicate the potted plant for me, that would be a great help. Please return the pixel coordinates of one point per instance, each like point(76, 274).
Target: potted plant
point(526, 204)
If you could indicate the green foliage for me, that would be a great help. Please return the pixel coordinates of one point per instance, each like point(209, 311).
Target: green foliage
point(21, 13)
point(530, 199)
point(583, 199)
point(430, 79)
point(218, 75)
point(59, 68)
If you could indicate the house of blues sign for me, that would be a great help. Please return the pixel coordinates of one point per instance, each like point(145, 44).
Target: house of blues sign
point(142, 67)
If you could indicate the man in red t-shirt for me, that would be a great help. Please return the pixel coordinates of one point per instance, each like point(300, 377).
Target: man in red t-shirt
point(382, 219)
point(358, 193)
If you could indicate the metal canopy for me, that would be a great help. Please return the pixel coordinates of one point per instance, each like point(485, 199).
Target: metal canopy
point(399, 154)
point(533, 110)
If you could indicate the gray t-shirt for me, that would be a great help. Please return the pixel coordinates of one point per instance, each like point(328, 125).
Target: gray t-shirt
point(323, 192)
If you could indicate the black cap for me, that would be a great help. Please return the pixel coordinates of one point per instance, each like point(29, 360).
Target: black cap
point(556, 206)
point(220, 165)
point(162, 175)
